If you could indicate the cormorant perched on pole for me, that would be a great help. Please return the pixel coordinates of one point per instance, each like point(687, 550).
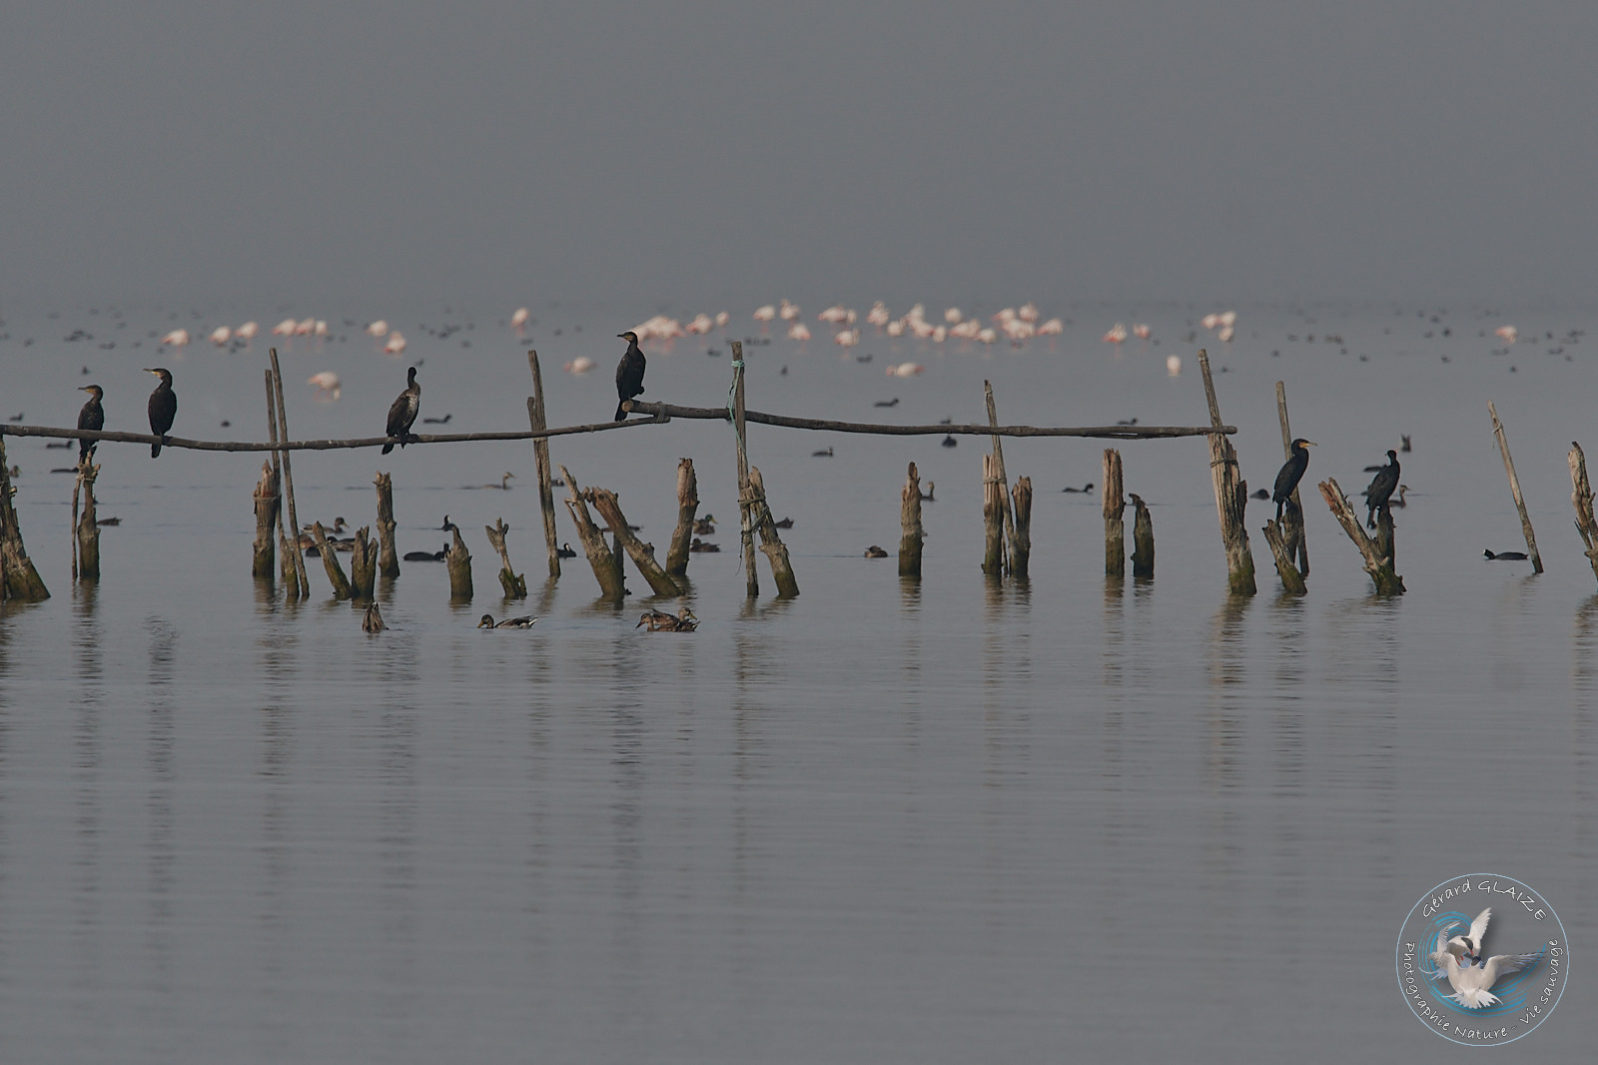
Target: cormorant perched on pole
point(1381, 488)
point(91, 417)
point(1291, 473)
point(163, 409)
point(402, 413)
point(629, 373)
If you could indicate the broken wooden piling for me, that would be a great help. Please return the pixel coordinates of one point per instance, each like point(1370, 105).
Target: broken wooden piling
point(1114, 513)
point(1377, 564)
point(771, 544)
point(458, 561)
point(1581, 498)
point(746, 525)
point(267, 503)
point(643, 556)
point(911, 534)
point(330, 564)
point(1514, 487)
point(1292, 524)
point(606, 570)
point(1276, 539)
point(363, 565)
point(993, 510)
point(280, 420)
point(86, 536)
point(538, 418)
point(387, 551)
point(1006, 517)
point(514, 585)
point(18, 579)
point(687, 511)
point(1021, 534)
point(1231, 493)
point(1142, 539)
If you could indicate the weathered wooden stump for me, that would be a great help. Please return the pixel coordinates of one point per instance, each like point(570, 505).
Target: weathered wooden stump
point(911, 534)
point(609, 508)
point(278, 425)
point(458, 561)
point(1142, 539)
point(687, 510)
point(1021, 536)
point(1231, 494)
point(363, 564)
point(18, 578)
point(1276, 539)
point(387, 553)
point(515, 586)
point(1114, 515)
point(1377, 564)
point(268, 501)
point(606, 569)
point(1514, 487)
point(86, 537)
point(1581, 498)
point(993, 514)
point(538, 419)
point(770, 541)
point(335, 572)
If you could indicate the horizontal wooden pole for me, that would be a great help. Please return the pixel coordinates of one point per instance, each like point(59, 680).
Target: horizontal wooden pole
point(662, 412)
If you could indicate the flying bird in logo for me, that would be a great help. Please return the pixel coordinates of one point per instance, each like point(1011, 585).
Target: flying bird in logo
point(1459, 958)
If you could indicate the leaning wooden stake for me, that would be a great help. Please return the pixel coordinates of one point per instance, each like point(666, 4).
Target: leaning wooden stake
point(993, 510)
point(538, 418)
point(1581, 499)
point(1276, 539)
point(643, 556)
point(458, 561)
point(1114, 511)
point(746, 525)
point(1378, 565)
point(1005, 516)
point(515, 585)
point(387, 553)
point(288, 474)
point(770, 541)
point(1292, 527)
point(267, 503)
point(687, 511)
point(1021, 538)
point(606, 570)
point(911, 534)
point(1514, 486)
point(288, 549)
point(335, 572)
point(1231, 494)
point(18, 578)
point(363, 565)
point(1142, 539)
point(86, 538)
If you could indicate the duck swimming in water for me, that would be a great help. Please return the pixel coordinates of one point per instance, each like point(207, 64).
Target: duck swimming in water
point(658, 621)
point(565, 551)
point(487, 622)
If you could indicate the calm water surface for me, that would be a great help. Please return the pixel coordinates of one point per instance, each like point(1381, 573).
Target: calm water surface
point(1070, 820)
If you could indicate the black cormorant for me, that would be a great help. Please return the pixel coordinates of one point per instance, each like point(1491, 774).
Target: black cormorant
point(565, 551)
point(402, 413)
point(92, 416)
point(1086, 489)
point(1291, 473)
point(1504, 556)
point(629, 373)
point(163, 409)
point(1381, 488)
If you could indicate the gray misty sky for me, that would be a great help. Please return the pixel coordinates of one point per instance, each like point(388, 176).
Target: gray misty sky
point(710, 152)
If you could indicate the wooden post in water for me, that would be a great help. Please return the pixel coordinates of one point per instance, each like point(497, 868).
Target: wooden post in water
point(1114, 515)
point(363, 564)
point(606, 570)
point(18, 578)
point(1006, 519)
point(993, 511)
point(1276, 539)
point(1514, 486)
point(911, 534)
point(1292, 526)
point(770, 542)
point(538, 418)
point(687, 511)
point(746, 526)
point(1231, 494)
point(267, 503)
point(288, 549)
point(1021, 538)
point(1581, 498)
point(458, 561)
point(1378, 565)
point(288, 477)
point(86, 538)
point(335, 572)
point(609, 507)
point(1142, 539)
point(515, 586)
point(387, 552)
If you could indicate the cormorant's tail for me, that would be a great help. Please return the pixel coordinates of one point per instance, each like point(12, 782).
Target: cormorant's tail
point(155, 449)
point(387, 448)
point(621, 415)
